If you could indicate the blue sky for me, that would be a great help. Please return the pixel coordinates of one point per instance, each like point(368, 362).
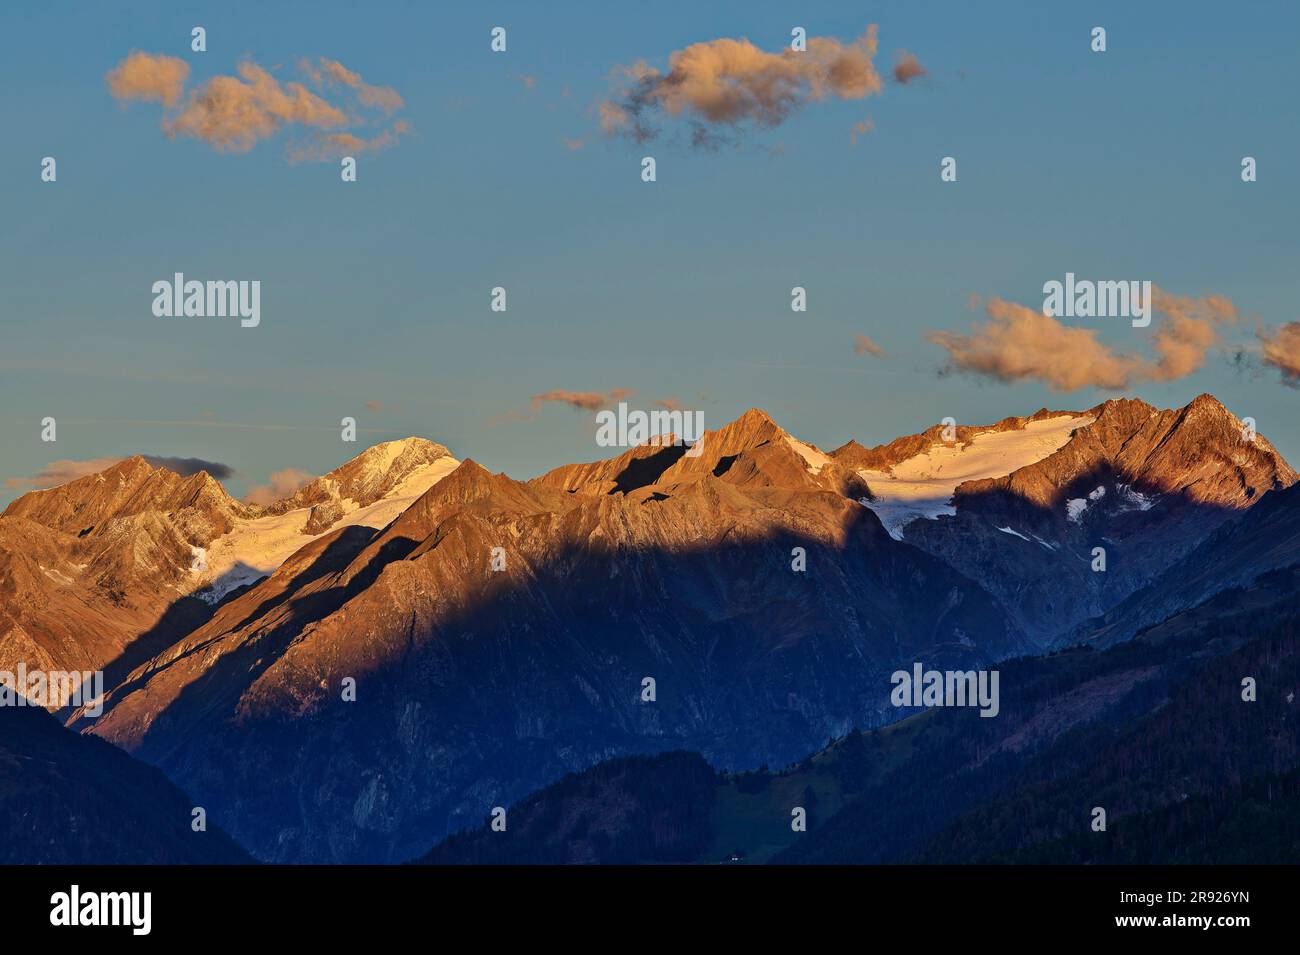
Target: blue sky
point(1116, 165)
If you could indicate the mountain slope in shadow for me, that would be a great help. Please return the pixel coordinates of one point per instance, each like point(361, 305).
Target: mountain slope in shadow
point(1140, 486)
point(67, 799)
point(1155, 731)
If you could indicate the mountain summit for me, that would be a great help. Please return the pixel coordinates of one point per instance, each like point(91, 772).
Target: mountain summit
point(92, 566)
point(391, 469)
point(369, 490)
point(125, 490)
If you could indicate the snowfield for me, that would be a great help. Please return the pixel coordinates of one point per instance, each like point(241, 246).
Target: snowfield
point(254, 549)
point(814, 460)
point(922, 486)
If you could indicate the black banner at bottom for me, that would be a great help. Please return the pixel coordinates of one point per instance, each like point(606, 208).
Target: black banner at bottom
point(329, 904)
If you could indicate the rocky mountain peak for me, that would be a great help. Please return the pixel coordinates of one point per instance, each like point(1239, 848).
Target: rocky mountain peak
point(128, 488)
point(771, 456)
point(469, 485)
point(468, 480)
point(1206, 402)
point(380, 471)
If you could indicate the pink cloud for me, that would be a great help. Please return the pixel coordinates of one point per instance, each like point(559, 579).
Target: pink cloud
point(149, 77)
point(729, 81)
point(281, 485)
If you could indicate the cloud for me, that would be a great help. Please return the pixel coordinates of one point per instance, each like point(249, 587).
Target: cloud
point(907, 67)
point(333, 145)
point(188, 466)
point(281, 485)
point(860, 128)
point(669, 404)
point(1188, 329)
point(144, 76)
point(1282, 351)
point(233, 114)
point(65, 470)
point(582, 400)
point(331, 71)
point(1020, 343)
point(529, 81)
point(730, 82)
point(573, 145)
point(374, 406)
point(862, 345)
point(613, 118)
point(60, 472)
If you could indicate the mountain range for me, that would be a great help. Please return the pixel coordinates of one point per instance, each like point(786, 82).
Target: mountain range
point(376, 661)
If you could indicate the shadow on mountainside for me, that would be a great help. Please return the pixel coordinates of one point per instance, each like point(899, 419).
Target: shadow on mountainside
point(1040, 563)
point(1154, 730)
point(68, 799)
point(542, 675)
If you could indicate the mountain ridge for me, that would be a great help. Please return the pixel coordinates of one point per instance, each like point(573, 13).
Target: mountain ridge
point(499, 632)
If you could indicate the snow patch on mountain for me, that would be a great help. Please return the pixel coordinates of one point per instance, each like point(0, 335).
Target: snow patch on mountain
point(1076, 506)
point(814, 460)
point(922, 486)
point(1136, 500)
point(255, 548)
point(1032, 538)
point(57, 576)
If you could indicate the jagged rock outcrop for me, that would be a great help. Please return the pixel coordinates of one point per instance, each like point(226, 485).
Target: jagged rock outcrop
point(91, 568)
point(322, 517)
